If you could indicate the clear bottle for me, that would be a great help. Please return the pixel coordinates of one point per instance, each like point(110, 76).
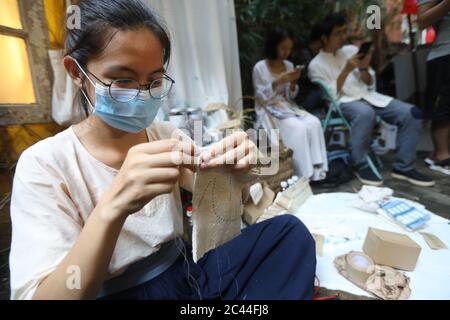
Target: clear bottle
point(189, 215)
point(188, 224)
point(290, 182)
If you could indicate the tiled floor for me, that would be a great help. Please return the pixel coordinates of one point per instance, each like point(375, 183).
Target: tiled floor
point(436, 199)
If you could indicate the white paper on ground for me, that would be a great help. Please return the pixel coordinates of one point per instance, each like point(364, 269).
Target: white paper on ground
point(333, 214)
point(256, 193)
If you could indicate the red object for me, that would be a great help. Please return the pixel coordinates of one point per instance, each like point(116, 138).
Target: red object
point(189, 209)
point(335, 296)
point(431, 35)
point(317, 297)
point(409, 7)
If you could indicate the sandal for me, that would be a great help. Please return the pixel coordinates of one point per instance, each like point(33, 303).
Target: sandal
point(439, 166)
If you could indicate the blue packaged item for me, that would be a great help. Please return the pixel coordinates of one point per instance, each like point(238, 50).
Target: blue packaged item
point(404, 213)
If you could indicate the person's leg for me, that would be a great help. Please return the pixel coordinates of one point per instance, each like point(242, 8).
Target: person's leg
point(317, 147)
point(440, 133)
point(294, 134)
point(408, 119)
point(437, 109)
point(313, 100)
point(274, 259)
point(362, 118)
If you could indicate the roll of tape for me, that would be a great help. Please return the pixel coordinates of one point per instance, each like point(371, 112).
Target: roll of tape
point(357, 265)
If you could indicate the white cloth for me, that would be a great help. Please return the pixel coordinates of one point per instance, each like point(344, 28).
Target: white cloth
point(327, 68)
point(330, 213)
point(205, 54)
point(369, 198)
point(56, 187)
point(302, 134)
point(66, 108)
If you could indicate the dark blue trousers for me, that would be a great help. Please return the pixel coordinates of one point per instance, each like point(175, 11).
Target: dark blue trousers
point(274, 259)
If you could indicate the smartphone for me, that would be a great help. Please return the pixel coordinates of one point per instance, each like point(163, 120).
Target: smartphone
point(364, 49)
point(299, 68)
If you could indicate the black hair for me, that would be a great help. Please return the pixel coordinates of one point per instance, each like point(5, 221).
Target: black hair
point(316, 33)
point(274, 38)
point(330, 22)
point(102, 19)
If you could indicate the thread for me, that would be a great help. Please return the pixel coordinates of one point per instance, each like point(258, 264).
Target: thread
point(186, 264)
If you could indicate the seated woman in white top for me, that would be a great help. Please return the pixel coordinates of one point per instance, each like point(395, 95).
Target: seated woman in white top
point(96, 210)
point(275, 82)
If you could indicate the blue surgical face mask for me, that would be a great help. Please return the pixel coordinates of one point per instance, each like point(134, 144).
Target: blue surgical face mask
point(130, 116)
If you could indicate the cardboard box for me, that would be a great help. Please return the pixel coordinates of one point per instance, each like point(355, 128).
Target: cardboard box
point(391, 249)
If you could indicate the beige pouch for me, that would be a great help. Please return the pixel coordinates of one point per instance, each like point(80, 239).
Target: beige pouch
point(383, 282)
point(217, 209)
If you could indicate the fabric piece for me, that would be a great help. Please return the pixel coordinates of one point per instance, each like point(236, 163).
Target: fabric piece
point(241, 269)
point(217, 209)
point(433, 241)
point(327, 68)
point(384, 282)
point(57, 185)
point(282, 111)
point(371, 194)
point(369, 198)
point(388, 283)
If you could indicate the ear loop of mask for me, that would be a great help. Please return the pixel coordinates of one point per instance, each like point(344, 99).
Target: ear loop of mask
point(82, 90)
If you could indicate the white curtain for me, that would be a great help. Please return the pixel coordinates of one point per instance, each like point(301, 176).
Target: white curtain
point(205, 56)
point(204, 61)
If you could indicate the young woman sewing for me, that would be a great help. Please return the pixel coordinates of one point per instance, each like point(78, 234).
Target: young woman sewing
point(96, 209)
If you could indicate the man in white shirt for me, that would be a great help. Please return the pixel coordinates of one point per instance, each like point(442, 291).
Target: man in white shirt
point(351, 78)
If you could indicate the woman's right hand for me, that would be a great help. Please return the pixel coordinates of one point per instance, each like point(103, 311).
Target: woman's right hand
point(353, 63)
point(149, 170)
point(287, 77)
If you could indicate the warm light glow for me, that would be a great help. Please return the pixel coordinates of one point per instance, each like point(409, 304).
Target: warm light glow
point(10, 14)
point(55, 12)
point(16, 84)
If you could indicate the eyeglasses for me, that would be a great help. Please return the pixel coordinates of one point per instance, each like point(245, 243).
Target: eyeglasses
point(125, 90)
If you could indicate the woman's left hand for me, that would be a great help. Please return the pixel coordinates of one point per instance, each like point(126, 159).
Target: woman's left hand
point(236, 152)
